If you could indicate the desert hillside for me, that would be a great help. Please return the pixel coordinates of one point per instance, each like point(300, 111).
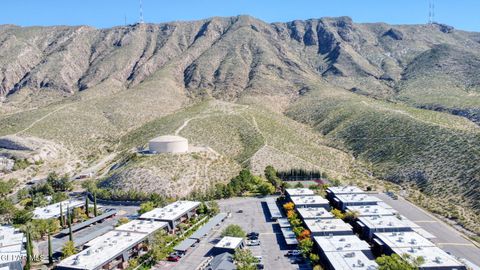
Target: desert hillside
point(357, 101)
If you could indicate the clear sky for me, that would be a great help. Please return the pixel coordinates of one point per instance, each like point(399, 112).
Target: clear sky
point(462, 14)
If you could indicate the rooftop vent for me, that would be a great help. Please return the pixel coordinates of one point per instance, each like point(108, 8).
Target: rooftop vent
point(349, 255)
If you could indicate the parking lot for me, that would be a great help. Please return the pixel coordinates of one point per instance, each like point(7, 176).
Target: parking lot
point(254, 217)
point(447, 237)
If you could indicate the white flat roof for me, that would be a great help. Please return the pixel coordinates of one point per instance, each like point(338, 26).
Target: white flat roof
point(289, 236)
point(273, 208)
point(53, 210)
point(341, 243)
point(386, 205)
point(379, 222)
point(346, 190)
point(328, 225)
point(299, 191)
point(168, 138)
point(403, 239)
point(314, 213)
point(370, 210)
point(309, 200)
point(103, 249)
point(142, 226)
point(355, 260)
point(357, 198)
point(433, 256)
point(171, 212)
point(288, 233)
point(283, 222)
point(229, 242)
point(11, 244)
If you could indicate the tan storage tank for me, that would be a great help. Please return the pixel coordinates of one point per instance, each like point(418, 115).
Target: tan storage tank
point(168, 144)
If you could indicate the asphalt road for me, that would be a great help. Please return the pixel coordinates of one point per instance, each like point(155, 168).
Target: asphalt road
point(255, 217)
point(447, 237)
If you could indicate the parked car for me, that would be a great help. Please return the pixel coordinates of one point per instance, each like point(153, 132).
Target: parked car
point(253, 237)
point(260, 266)
point(297, 259)
point(173, 258)
point(252, 234)
point(240, 211)
point(253, 243)
point(293, 253)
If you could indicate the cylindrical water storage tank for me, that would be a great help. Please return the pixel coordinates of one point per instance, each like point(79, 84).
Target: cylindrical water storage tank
point(168, 144)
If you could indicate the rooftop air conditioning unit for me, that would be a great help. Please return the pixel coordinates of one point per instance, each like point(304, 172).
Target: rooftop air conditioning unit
point(349, 255)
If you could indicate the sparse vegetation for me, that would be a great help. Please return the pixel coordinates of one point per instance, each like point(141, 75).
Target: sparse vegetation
point(234, 230)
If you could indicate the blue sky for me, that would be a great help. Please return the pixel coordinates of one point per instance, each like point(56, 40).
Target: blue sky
point(462, 14)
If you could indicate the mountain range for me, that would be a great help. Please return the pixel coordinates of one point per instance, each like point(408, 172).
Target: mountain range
point(359, 101)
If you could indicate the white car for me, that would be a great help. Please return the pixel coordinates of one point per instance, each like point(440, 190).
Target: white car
point(253, 243)
point(293, 253)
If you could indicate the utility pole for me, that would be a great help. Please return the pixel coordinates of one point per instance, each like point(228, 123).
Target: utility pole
point(141, 12)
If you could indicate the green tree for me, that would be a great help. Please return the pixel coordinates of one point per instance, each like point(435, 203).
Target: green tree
point(337, 213)
point(305, 246)
point(50, 250)
point(28, 262)
point(146, 207)
point(271, 175)
point(299, 185)
point(314, 258)
point(69, 221)
point(22, 217)
point(6, 207)
point(244, 259)
point(213, 208)
point(351, 216)
point(86, 207)
point(95, 211)
point(59, 197)
point(233, 230)
point(202, 209)
point(266, 188)
point(396, 262)
point(68, 249)
point(62, 221)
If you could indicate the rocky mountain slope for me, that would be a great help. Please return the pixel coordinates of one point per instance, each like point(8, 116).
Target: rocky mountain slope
point(403, 100)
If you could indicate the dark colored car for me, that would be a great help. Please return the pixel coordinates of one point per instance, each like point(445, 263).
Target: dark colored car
point(253, 237)
point(240, 211)
point(260, 266)
point(173, 258)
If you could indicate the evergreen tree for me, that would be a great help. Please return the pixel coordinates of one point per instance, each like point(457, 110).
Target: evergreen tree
point(70, 235)
point(87, 211)
point(28, 263)
point(50, 250)
point(62, 222)
point(95, 213)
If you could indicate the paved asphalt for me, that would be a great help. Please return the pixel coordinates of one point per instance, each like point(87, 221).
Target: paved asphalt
point(255, 217)
point(447, 237)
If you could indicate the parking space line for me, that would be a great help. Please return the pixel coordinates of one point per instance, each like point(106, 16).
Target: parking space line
point(456, 244)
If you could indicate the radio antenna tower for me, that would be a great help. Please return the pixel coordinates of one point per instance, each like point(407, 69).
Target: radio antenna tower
point(431, 11)
point(141, 12)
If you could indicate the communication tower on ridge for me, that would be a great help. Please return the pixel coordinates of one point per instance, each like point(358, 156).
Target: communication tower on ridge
point(431, 11)
point(141, 12)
